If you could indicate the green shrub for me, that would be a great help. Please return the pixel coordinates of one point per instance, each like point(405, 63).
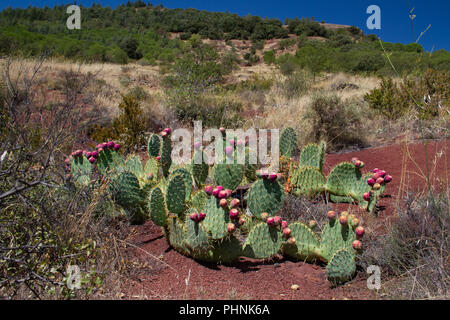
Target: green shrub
point(269, 57)
point(335, 122)
point(296, 84)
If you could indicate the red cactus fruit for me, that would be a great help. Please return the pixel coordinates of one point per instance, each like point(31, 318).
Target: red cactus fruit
point(277, 220)
point(164, 134)
point(234, 214)
point(111, 144)
point(377, 186)
point(209, 190)
point(215, 192)
point(284, 224)
point(264, 216)
point(343, 219)
point(344, 213)
point(286, 232)
point(234, 203)
point(375, 176)
point(387, 179)
point(100, 150)
point(380, 180)
point(158, 158)
point(231, 227)
point(194, 217)
point(357, 163)
point(382, 173)
point(222, 194)
point(229, 192)
point(291, 241)
point(331, 215)
point(357, 245)
point(91, 159)
point(371, 181)
point(67, 161)
point(94, 154)
point(116, 147)
point(241, 221)
point(223, 203)
point(375, 170)
point(270, 221)
point(201, 216)
point(359, 231)
point(220, 188)
point(167, 130)
point(366, 196)
point(273, 176)
point(222, 129)
point(104, 145)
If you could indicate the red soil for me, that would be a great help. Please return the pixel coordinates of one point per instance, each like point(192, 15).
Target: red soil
point(273, 280)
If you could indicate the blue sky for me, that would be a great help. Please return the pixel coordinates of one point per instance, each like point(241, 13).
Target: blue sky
point(395, 22)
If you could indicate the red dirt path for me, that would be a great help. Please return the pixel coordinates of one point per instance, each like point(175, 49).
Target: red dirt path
point(255, 280)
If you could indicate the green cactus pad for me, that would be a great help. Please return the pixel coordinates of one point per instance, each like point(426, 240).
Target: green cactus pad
point(198, 200)
point(157, 207)
point(288, 142)
point(177, 234)
point(110, 162)
point(249, 169)
point(196, 235)
point(265, 196)
point(336, 236)
point(187, 180)
point(225, 250)
point(306, 243)
point(151, 166)
point(166, 155)
point(154, 145)
point(341, 267)
point(81, 170)
point(229, 176)
point(200, 168)
point(263, 242)
point(341, 199)
point(176, 195)
point(343, 180)
point(216, 219)
point(134, 165)
point(308, 181)
point(312, 155)
point(125, 191)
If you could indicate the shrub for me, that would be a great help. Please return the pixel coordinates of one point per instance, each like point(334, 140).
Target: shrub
point(335, 122)
point(296, 84)
point(269, 57)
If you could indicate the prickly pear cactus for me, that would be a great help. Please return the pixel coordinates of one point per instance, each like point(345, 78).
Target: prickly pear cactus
point(176, 195)
point(263, 242)
point(288, 142)
point(81, 170)
point(166, 155)
point(200, 168)
point(109, 162)
point(157, 207)
point(307, 181)
point(229, 175)
point(341, 267)
point(343, 180)
point(313, 155)
point(154, 145)
point(265, 196)
point(306, 244)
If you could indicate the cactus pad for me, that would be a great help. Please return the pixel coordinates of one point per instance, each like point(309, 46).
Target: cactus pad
point(157, 207)
point(81, 170)
point(312, 155)
point(109, 162)
point(336, 236)
point(154, 145)
point(187, 180)
point(306, 244)
point(200, 168)
point(341, 267)
point(228, 176)
point(308, 181)
point(263, 242)
point(216, 219)
point(265, 196)
point(288, 142)
point(176, 195)
point(196, 235)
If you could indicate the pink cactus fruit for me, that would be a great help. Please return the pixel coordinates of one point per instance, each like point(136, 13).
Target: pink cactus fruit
point(201, 216)
point(277, 220)
point(270, 221)
point(366, 196)
point(286, 232)
point(291, 241)
point(111, 144)
point(100, 150)
point(264, 216)
point(167, 130)
point(164, 134)
point(359, 231)
point(241, 221)
point(343, 219)
point(273, 176)
point(222, 194)
point(357, 163)
point(387, 179)
point(234, 214)
point(264, 174)
point(104, 145)
point(116, 147)
point(209, 190)
point(380, 180)
point(67, 161)
point(222, 129)
point(94, 154)
point(231, 227)
point(220, 188)
point(215, 192)
point(88, 154)
point(223, 203)
point(371, 181)
point(231, 141)
point(158, 158)
point(375, 170)
point(284, 224)
point(228, 192)
point(240, 143)
point(354, 159)
point(235, 203)
point(91, 159)
point(331, 215)
point(357, 245)
point(382, 173)
point(194, 217)
point(99, 146)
